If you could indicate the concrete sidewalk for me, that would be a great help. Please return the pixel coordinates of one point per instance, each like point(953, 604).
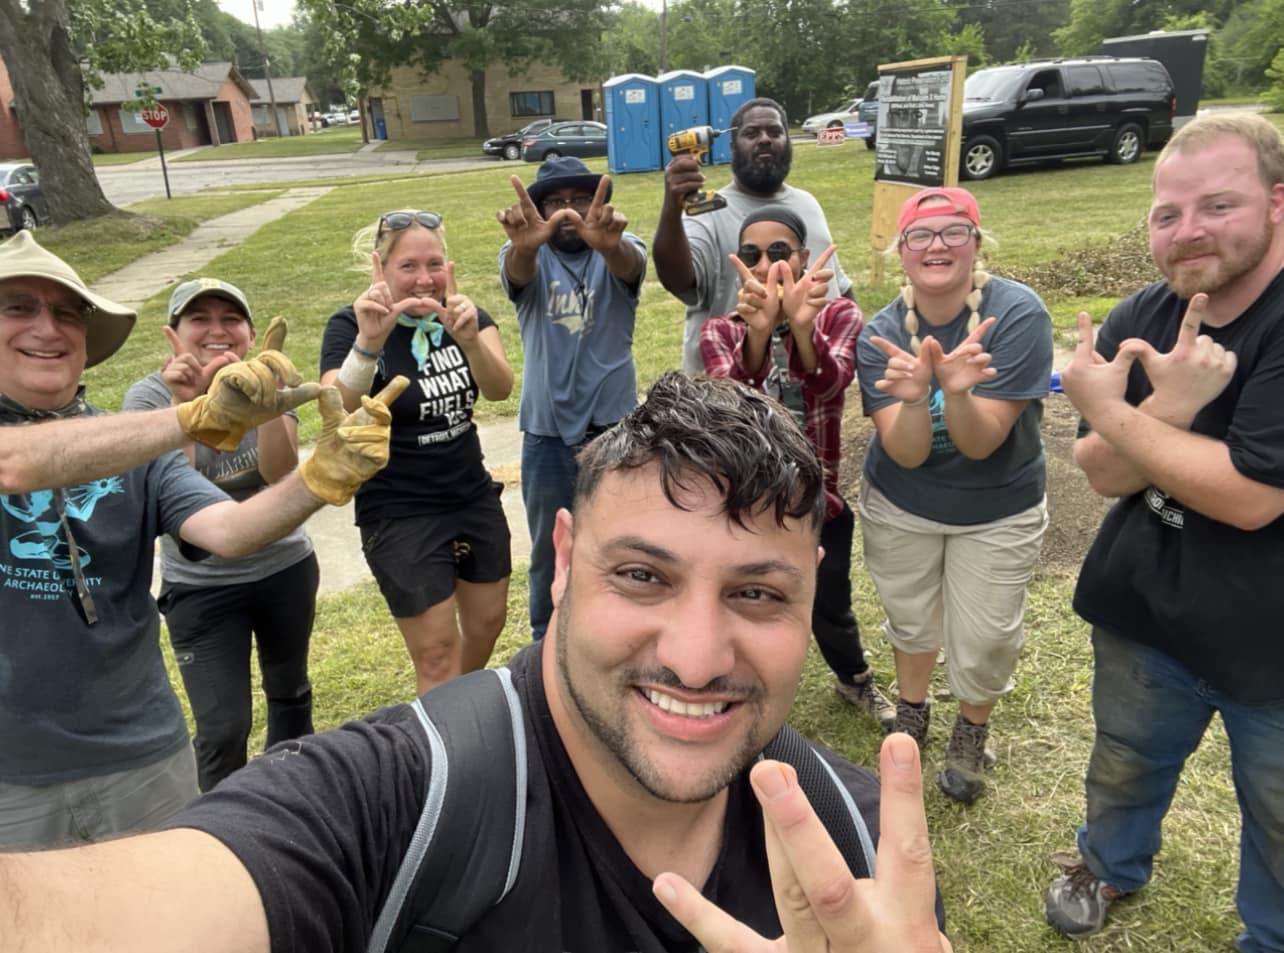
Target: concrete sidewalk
point(148, 276)
point(337, 542)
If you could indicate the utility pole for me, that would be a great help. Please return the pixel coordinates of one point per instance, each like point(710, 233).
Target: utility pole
point(664, 36)
point(267, 70)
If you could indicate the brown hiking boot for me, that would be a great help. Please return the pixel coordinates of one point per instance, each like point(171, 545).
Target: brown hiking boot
point(913, 721)
point(863, 693)
point(965, 759)
point(1078, 900)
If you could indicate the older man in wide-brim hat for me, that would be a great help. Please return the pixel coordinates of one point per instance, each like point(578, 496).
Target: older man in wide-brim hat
point(92, 738)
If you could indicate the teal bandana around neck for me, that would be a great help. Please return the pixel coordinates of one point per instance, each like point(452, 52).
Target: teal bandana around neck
point(427, 330)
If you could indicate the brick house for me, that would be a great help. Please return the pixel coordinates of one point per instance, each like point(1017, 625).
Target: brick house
point(12, 144)
point(441, 106)
point(209, 106)
point(294, 104)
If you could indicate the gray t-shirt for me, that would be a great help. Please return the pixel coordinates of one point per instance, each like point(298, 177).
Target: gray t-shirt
point(576, 320)
point(948, 487)
point(236, 473)
point(79, 700)
point(714, 236)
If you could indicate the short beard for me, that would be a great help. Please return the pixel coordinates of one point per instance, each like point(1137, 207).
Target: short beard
point(1232, 264)
point(613, 736)
point(762, 179)
point(567, 241)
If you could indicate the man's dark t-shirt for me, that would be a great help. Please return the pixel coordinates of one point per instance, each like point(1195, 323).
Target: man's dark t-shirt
point(322, 824)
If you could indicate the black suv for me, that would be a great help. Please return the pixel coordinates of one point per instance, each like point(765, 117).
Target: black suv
point(1056, 109)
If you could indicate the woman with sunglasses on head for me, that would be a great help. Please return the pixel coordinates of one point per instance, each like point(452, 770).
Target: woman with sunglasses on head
point(432, 527)
point(952, 504)
point(786, 339)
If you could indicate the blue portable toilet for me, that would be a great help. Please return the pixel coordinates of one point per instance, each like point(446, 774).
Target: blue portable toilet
point(632, 123)
point(684, 102)
point(729, 87)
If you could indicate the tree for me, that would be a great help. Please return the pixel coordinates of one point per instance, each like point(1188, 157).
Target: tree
point(1014, 25)
point(54, 51)
point(369, 37)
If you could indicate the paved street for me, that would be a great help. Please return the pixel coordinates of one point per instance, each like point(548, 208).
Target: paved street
point(125, 184)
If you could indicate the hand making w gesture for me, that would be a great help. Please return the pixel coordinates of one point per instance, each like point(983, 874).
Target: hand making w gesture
point(965, 366)
point(376, 310)
point(821, 907)
point(458, 315)
point(803, 299)
point(183, 372)
point(758, 302)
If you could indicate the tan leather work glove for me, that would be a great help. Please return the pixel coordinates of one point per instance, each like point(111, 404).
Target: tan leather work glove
point(246, 394)
point(352, 447)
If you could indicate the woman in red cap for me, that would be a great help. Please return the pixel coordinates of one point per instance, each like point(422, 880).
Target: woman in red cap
point(952, 502)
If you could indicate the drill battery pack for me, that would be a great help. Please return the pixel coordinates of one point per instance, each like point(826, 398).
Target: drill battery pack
point(697, 203)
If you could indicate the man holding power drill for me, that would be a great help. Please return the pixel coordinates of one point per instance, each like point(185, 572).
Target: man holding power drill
point(691, 250)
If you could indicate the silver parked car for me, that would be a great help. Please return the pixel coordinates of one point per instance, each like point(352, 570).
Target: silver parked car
point(21, 198)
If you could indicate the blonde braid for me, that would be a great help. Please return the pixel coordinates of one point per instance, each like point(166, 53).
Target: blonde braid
point(980, 279)
point(911, 317)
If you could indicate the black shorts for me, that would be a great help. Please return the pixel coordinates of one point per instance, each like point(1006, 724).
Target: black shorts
point(417, 559)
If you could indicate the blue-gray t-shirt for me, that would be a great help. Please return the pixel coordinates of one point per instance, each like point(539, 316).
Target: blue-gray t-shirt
point(576, 320)
point(948, 487)
point(80, 700)
point(236, 473)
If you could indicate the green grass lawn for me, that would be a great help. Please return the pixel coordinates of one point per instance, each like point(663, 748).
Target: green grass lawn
point(121, 158)
point(325, 141)
point(992, 859)
point(100, 246)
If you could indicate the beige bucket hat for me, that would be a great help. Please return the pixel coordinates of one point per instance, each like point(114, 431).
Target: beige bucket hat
point(109, 324)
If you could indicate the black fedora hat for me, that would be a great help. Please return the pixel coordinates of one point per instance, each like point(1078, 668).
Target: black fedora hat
point(562, 173)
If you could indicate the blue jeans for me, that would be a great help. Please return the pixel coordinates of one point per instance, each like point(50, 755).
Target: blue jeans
point(548, 485)
point(1151, 714)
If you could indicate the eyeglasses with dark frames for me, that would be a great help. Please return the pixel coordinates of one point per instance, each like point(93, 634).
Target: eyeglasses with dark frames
point(776, 251)
point(396, 221)
point(25, 307)
point(581, 203)
point(919, 239)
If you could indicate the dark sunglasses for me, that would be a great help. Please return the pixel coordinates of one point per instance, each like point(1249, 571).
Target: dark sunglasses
point(396, 221)
point(776, 251)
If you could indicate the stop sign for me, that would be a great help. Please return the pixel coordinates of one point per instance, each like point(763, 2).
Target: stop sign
point(156, 116)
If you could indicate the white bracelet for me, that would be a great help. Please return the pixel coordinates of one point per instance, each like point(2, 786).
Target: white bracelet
point(357, 372)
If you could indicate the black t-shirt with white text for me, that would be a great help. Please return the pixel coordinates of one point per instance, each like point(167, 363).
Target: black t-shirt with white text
point(1165, 575)
point(435, 457)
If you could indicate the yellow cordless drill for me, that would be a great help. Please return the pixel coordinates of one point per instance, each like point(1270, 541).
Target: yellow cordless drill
point(697, 141)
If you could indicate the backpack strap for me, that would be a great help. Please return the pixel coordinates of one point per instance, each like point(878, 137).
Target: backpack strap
point(829, 798)
point(467, 846)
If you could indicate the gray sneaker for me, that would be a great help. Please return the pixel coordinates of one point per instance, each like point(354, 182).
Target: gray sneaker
point(1078, 901)
point(863, 693)
point(965, 759)
point(913, 721)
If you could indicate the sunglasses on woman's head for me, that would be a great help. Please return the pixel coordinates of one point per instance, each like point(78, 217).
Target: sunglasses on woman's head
point(396, 221)
point(776, 251)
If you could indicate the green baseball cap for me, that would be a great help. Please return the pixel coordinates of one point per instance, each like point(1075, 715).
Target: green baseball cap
point(189, 291)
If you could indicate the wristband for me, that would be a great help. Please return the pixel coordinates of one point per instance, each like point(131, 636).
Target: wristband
point(357, 372)
point(918, 403)
point(364, 353)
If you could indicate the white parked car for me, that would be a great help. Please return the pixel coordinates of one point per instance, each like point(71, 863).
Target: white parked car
point(831, 120)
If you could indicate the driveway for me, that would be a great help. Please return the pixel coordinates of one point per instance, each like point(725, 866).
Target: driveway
point(125, 184)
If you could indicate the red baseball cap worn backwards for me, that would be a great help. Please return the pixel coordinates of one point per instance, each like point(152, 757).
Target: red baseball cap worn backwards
point(961, 202)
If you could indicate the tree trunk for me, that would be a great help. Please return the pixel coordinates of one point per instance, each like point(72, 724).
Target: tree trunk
point(49, 98)
point(481, 129)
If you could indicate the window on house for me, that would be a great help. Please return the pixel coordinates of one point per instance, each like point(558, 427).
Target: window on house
point(531, 104)
point(94, 123)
